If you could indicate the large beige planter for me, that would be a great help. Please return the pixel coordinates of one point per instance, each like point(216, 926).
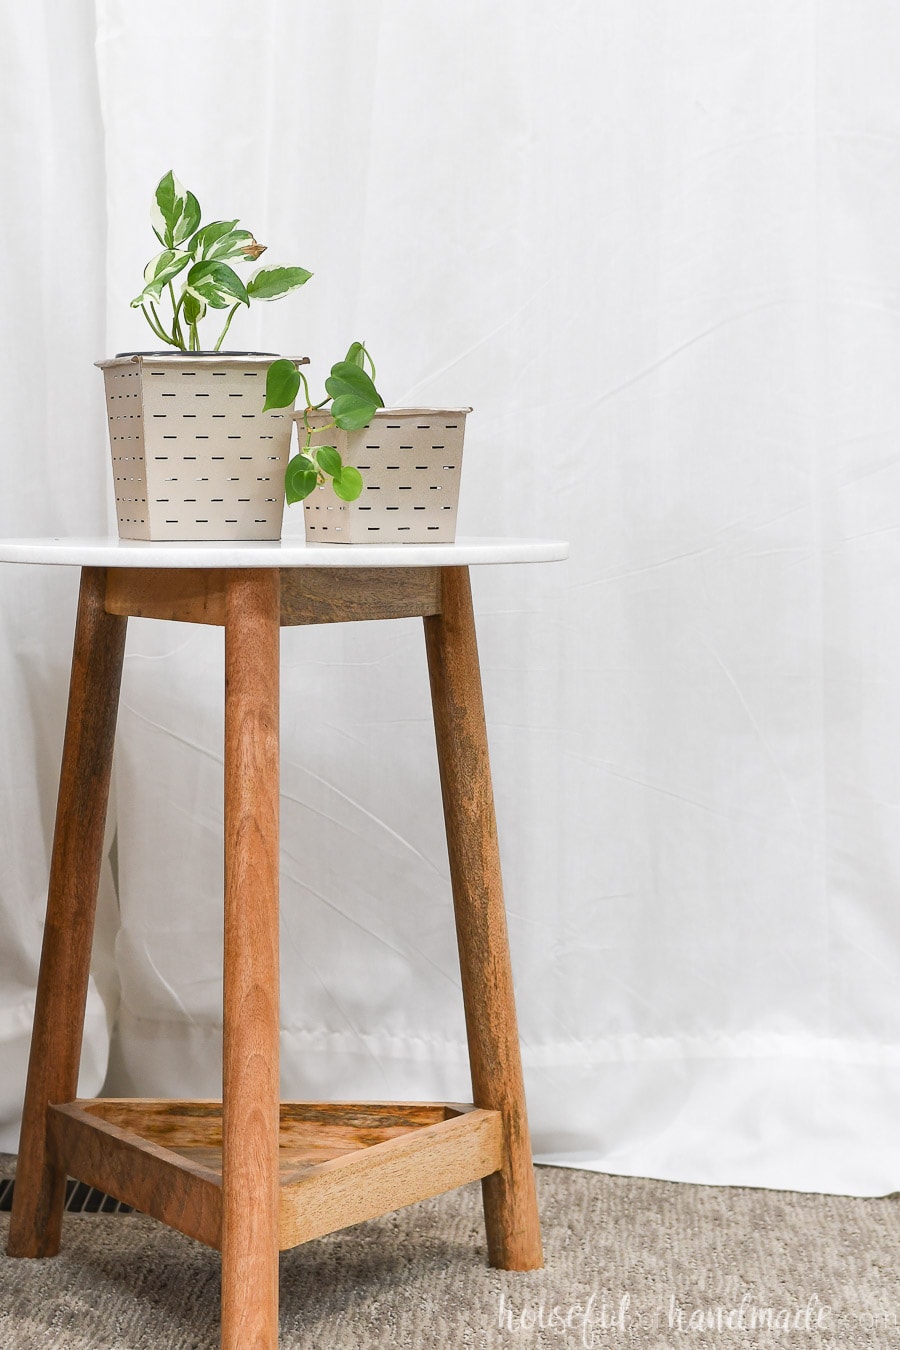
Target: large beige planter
point(410, 460)
point(194, 456)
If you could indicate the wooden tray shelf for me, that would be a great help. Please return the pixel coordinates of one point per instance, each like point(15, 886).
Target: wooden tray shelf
point(339, 1162)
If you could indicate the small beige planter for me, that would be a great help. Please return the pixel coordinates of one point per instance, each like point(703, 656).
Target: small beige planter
point(410, 460)
point(194, 456)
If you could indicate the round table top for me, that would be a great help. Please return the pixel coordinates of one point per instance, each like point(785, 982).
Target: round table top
point(108, 551)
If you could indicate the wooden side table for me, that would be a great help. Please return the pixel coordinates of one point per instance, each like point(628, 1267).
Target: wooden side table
point(251, 1175)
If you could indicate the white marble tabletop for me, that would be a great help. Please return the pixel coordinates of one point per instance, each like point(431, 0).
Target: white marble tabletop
point(108, 551)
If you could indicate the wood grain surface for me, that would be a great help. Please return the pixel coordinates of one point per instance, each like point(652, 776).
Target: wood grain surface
point(99, 648)
point(250, 1088)
point(334, 595)
point(251, 1174)
point(415, 1164)
point(187, 594)
point(309, 1133)
point(165, 1158)
point(179, 1191)
point(510, 1202)
point(308, 594)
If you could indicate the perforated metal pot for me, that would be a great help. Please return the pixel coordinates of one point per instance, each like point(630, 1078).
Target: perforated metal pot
point(410, 460)
point(194, 455)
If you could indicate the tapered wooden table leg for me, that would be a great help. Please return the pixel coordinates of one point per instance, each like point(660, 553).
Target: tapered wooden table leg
point(250, 1089)
point(99, 648)
point(510, 1203)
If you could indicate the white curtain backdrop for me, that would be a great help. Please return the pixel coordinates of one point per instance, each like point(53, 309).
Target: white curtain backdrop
point(656, 247)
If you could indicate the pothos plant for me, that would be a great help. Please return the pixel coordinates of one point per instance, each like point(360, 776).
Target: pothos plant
point(351, 401)
point(200, 259)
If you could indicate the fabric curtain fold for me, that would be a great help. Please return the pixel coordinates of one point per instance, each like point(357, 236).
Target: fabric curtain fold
point(654, 247)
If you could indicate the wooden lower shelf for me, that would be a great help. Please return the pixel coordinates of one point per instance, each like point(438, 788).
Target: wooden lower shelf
point(339, 1162)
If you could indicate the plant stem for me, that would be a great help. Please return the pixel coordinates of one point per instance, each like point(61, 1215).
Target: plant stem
point(159, 323)
point(176, 326)
point(157, 327)
point(307, 449)
point(231, 314)
point(312, 407)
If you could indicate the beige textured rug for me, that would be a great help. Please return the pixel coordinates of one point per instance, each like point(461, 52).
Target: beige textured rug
point(628, 1263)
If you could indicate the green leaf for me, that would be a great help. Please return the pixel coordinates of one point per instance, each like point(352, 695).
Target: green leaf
point(356, 354)
point(220, 240)
point(165, 265)
point(328, 460)
point(193, 309)
point(282, 385)
point(217, 284)
point(205, 241)
point(188, 219)
point(352, 413)
point(300, 479)
point(349, 485)
point(238, 244)
point(175, 213)
point(270, 283)
point(348, 378)
point(162, 212)
point(159, 272)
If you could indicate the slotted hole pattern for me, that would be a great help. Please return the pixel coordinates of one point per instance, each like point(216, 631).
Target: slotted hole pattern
point(172, 479)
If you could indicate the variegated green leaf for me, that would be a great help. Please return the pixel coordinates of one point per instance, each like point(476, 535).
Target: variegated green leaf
point(193, 308)
point(270, 283)
point(205, 241)
point(221, 240)
point(217, 284)
point(162, 212)
point(175, 213)
point(164, 267)
point(159, 272)
point(237, 244)
point(187, 220)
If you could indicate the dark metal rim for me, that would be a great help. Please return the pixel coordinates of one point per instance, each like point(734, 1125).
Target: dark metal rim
point(189, 356)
